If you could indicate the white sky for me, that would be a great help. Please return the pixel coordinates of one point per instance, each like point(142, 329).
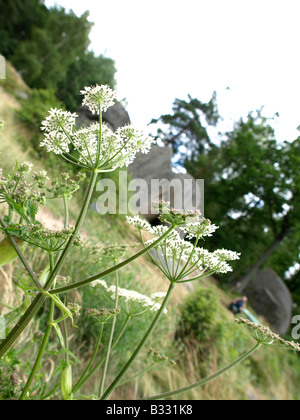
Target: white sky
point(166, 49)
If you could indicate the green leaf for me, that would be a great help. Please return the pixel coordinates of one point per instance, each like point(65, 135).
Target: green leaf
point(7, 251)
point(59, 335)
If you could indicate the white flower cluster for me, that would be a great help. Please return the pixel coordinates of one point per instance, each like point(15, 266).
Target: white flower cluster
point(201, 229)
point(139, 223)
point(227, 255)
point(211, 261)
point(117, 149)
point(98, 97)
point(179, 250)
point(131, 296)
point(97, 146)
point(58, 127)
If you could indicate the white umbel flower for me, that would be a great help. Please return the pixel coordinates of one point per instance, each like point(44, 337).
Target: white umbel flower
point(56, 142)
point(59, 121)
point(58, 127)
point(97, 146)
point(200, 229)
point(132, 297)
point(227, 255)
point(212, 261)
point(158, 295)
point(139, 223)
point(98, 96)
point(134, 139)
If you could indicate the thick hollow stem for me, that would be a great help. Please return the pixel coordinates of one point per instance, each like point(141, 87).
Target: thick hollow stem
point(43, 345)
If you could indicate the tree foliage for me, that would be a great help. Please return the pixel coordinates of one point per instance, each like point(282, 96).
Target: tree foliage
point(49, 48)
point(252, 184)
point(254, 192)
point(187, 127)
point(85, 71)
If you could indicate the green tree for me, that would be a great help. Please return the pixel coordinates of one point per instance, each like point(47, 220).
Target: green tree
point(187, 127)
point(252, 185)
point(49, 48)
point(254, 196)
point(17, 18)
point(87, 70)
point(44, 59)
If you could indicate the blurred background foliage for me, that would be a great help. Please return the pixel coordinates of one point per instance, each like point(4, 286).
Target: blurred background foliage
point(49, 48)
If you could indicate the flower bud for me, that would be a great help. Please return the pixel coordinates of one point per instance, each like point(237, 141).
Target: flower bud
point(66, 383)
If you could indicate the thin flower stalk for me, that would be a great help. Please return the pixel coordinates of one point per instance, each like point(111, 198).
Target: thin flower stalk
point(206, 380)
point(137, 351)
point(21, 256)
point(112, 330)
point(112, 269)
point(86, 376)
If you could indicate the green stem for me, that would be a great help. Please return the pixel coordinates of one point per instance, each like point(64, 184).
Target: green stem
point(66, 339)
point(22, 323)
point(43, 345)
point(21, 256)
point(66, 208)
point(142, 372)
point(112, 269)
point(118, 378)
point(40, 298)
point(78, 225)
point(40, 353)
point(99, 142)
point(83, 380)
point(206, 380)
point(112, 330)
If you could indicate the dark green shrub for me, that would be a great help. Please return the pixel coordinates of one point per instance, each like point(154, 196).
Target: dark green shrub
point(200, 324)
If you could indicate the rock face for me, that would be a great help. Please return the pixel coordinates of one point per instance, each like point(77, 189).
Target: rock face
point(156, 169)
point(269, 297)
point(115, 117)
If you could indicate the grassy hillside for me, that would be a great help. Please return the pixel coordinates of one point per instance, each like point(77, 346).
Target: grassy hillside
point(269, 374)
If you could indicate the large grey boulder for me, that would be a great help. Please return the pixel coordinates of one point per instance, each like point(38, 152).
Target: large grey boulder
point(269, 296)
